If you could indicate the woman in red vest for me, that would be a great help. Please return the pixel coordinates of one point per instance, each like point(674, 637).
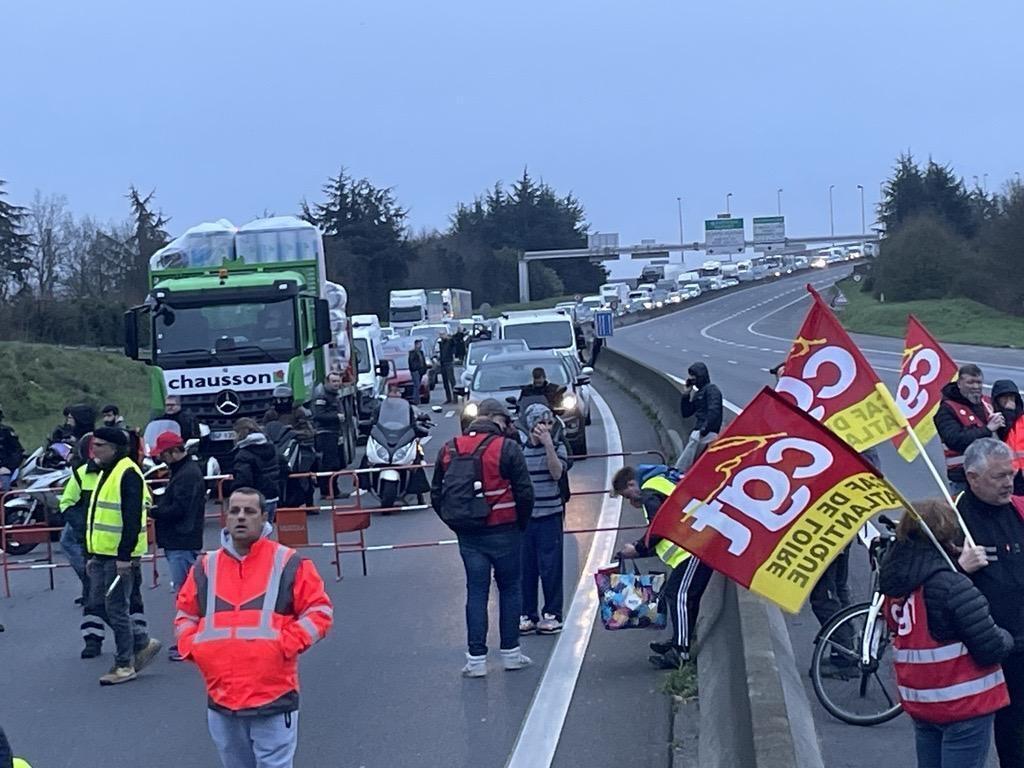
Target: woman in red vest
point(946, 647)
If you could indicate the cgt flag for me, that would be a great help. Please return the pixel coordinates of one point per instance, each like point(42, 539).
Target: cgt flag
point(773, 501)
point(827, 376)
point(925, 370)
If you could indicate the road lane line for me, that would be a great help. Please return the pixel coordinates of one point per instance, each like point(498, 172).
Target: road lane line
point(542, 729)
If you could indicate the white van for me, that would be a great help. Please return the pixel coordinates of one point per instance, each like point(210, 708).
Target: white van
point(540, 330)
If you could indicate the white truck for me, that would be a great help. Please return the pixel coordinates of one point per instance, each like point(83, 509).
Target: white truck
point(617, 292)
point(407, 308)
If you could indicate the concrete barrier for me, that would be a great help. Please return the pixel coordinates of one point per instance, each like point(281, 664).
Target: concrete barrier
point(754, 711)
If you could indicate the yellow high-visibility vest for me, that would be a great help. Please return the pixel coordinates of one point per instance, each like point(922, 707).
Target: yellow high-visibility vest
point(670, 554)
point(104, 522)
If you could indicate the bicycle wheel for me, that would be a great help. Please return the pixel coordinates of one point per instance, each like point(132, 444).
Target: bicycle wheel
point(854, 692)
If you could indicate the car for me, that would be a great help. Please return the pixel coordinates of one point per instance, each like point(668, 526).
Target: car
point(396, 352)
point(478, 350)
point(503, 376)
point(691, 290)
point(730, 282)
point(676, 297)
point(430, 335)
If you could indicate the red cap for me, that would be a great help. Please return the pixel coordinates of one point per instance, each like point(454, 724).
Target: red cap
point(165, 441)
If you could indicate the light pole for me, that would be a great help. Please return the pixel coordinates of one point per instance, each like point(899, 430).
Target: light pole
point(863, 225)
point(831, 218)
point(778, 200)
point(679, 204)
point(728, 197)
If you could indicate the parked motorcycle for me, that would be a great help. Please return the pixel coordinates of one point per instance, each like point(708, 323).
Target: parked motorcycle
point(393, 445)
point(41, 478)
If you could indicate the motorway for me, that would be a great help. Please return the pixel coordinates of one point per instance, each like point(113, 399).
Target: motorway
point(739, 336)
point(383, 690)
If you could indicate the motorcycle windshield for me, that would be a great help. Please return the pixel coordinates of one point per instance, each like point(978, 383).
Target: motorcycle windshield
point(394, 414)
point(156, 428)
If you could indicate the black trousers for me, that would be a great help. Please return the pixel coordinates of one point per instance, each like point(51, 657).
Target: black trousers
point(448, 377)
point(1010, 720)
point(330, 459)
point(681, 594)
point(832, 593)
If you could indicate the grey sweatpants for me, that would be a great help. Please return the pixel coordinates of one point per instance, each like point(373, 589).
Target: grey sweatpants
point(255, 742)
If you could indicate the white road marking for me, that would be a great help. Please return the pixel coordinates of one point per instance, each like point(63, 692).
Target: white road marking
point(732, 362)
point(538, 739)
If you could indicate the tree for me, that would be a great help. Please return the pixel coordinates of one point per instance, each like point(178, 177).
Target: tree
point(147, 237)
point(1001, 255)
point(15, 246)
point(920, 261)
point(936, 190)
point(52, 229)
point(365, 245)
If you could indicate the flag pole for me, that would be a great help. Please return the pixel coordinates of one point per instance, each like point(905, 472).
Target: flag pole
point(968, 539)
point(931, 536)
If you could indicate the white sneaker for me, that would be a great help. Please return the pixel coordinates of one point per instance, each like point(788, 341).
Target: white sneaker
point(549, 625)
point(527, 626)
point(476, 666)
point(513, 658)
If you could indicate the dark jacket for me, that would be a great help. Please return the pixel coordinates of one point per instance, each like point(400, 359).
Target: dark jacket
point(256, 465)
point(446, 351)
point(955, 435)
point(182, 507)
point(706, 406)
point(85, 422)
point(11, 451)
point(1002, 580)
point(1007, 387)
point(511, 466)
point(550, 391)
point(186, 423)
point(325, 410)
point(957, 610)
point(417, 361)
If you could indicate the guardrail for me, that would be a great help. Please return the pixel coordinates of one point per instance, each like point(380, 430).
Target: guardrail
point(753, 708)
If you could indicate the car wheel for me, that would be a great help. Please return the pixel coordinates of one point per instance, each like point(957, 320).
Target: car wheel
point(579, 445)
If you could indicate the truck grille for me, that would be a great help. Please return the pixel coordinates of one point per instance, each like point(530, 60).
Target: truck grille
point(254, 405)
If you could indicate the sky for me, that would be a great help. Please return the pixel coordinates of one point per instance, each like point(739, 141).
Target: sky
point(230, 108)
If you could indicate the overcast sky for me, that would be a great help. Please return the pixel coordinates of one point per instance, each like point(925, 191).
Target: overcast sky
point(230, 108)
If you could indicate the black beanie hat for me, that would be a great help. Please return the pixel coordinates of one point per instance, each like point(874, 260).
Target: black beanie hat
point(112, 435)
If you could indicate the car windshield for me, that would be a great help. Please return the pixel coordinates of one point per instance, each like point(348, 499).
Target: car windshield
point(394, 413)
point(267, 329)
point(497, 374)
point(362, 349)
point(542, 335)
point(478, 351)
point(397, 352)
point(429, 335)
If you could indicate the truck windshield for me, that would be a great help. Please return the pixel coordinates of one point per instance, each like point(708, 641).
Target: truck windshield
point(556, 335)
point(266, 329)
point(407, 314)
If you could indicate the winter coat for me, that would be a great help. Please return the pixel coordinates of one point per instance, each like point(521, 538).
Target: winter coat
point(186, 423)
point(1005, 387)
point(325, 410)
point(706, 405)
point(417, 361)
point(85, 422)
point(954, 435)
point(957, 610)
point(181, 510)
point(256, 465)
point(11, 452)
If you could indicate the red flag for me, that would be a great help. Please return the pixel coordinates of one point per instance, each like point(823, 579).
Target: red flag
point(925, 370)
point(773, 500)
point(827, 376)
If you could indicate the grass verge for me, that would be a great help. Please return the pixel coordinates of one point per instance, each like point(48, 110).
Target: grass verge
point(682, 682)
point(38, 380)
point(955, 320)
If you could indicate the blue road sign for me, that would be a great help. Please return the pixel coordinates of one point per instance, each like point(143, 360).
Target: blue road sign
point(604, 323)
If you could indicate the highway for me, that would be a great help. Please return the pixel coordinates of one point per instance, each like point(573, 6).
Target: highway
point(739, 336)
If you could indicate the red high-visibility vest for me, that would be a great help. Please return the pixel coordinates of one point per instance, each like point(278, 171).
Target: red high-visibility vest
point(966, 417)
point(497, 489)
point(938, 682)
point(1015, 441)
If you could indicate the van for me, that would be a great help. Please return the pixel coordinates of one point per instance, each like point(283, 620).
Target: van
point(541, 330)
point(367, 344)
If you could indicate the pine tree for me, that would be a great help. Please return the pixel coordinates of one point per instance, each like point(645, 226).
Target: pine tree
point(148, 237)
point(15, 246)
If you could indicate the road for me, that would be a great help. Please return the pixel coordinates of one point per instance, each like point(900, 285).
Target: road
point(739, 336)
point(384, 689)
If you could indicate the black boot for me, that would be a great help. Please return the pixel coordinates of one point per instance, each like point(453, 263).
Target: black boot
point(92, 649)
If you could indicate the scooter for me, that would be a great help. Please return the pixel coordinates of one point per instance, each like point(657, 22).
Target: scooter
point(41, 478)
point(394, 445)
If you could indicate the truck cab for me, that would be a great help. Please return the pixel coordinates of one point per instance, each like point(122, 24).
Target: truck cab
point(407, 308)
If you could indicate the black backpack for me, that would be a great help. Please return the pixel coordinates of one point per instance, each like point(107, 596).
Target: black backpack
point(463, 506)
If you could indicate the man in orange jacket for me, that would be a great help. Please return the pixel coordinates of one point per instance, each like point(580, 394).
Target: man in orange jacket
point(245, 613)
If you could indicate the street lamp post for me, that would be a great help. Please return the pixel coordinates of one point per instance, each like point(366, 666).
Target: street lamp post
point(679, 204)
point(728, 197)
point(863, 225)
point(831, 218)
point(778, 200)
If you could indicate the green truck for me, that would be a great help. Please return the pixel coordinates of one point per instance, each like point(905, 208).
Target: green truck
point(233, 313)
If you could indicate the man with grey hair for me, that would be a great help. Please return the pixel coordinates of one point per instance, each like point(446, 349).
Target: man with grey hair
point(996, 565)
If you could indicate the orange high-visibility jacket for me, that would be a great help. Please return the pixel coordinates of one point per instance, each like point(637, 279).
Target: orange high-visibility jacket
point(244, 621)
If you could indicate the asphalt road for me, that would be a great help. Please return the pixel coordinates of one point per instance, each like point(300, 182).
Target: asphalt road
point(739, 336)
point(384, 688)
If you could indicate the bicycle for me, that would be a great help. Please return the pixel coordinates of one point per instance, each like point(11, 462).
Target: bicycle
point(851, 669)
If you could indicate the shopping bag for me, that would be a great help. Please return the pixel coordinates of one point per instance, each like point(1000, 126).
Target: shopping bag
point(629, 600)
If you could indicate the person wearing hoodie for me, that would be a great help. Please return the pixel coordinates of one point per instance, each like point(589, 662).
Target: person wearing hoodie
point(1006, 401)
point(79, 421)
point(245, 613)
point(702, 401)
point(11, 453)
point(964, 415)
point(256, 463)
point(943, 636)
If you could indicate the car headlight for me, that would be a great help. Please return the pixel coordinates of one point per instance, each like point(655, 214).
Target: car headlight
point(569, 401)
point(470, 410)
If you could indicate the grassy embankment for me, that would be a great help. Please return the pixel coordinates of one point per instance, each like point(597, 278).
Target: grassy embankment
point(38, 380)
point(954, 320)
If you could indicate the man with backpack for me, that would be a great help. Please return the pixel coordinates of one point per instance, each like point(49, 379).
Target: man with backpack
point(290, 428)
point(482, 491)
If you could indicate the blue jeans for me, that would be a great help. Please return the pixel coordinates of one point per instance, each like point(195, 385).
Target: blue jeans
point(480, 553)
point(542, 559)
point(74, 551)
point(417, 378)
point(180, 562)
point(963, 744)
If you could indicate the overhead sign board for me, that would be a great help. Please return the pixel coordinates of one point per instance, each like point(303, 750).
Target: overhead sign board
point(655, 256)
point(603, 240)
point(724, 236)
point(769, 230)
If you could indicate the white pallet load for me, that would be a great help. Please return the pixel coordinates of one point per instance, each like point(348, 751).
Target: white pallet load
point(209, 244)
point(342, 351)
point(336, 295)
point(277, 239)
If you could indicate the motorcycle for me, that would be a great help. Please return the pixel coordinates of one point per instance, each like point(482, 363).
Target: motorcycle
point(40, 480)
point(393, 445)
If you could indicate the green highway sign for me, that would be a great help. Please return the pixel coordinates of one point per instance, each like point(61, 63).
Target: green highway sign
point(724, 236)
